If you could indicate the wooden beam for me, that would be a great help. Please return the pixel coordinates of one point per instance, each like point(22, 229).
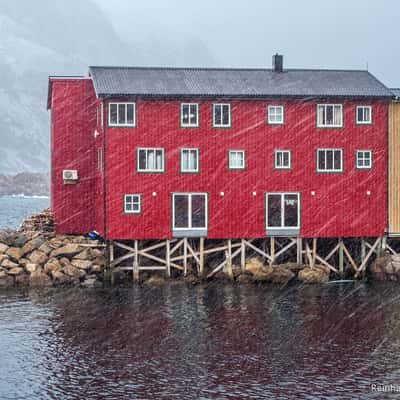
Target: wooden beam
point(229, 260)
point(136, 263)
point(176, 247)
point(341, 258)
point(193, 253)
point(287, 247)
point(332, 252)
point(222, 264)
point(299, 255)
point(314, 250)
point(322, 261)
point(201, 260)
point(272, 249)
point(257, 250)
point(309, 257)
point(364, 263)
point(185, 257)
point(243, 255)
point(349, 257)
point(168, 258)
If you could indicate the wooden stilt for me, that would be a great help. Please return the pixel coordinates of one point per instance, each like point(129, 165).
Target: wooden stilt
point(243, 255)
point(185, 257)
point(112, 272)
point(229, 259)
point(314, 251)
point(364, 263)
point(363, 250)
point(309, 255)
point(299, 257)
point(168, 257)
point(272, 251)
point(341, 258)
point(201, 258)
point(136, 263)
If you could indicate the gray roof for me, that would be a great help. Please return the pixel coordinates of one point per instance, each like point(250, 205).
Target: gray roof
point(211, 82)
point(396, 91)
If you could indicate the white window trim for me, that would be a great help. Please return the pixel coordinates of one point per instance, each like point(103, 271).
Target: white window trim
point(222, 125)
point(370, 116)
point(133, 125)
point(189, 194)
point(272, 106)
point(370, 159)
point(282, 211)
point(197, 160)
point(320, 125)
point(139, 201)
point(150, 170)
point(229, 159)
point(190, 125)
point(330, 170)
point(101, 115)
point(276, 159)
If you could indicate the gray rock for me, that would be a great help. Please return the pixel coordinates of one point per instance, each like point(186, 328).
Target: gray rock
point(15, 271)
point(7, 263)
point(31, 267)
point(82, 264)
point(20, 240)
point(3, 248)
point(69, 250)
point(15, 253)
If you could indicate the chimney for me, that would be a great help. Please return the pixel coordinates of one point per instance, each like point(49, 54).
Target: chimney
point(277, 62)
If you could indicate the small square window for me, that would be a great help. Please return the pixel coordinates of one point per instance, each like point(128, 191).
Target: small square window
point(237, 159)
point(275, 115)
point(283, 159)
point(189, 115)
point(221, 115)
point(363, 115)
point(190, 160)
point(132, 203)
point(364, 159)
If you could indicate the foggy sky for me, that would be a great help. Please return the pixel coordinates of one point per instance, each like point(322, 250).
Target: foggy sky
point(230, 33)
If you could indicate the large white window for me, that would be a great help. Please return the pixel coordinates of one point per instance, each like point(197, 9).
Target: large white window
point(283, 159)
point(189, 115)
point(132, 203)
point(221, 115)
point(122, 114)
point(150, 160)
point(189, 160)
point(363, 115)
point(283, 210)
point(189, 211)
point(329, 115)
point(329, 160)
point(275, 115)
point(237, 159)
point(364, 159)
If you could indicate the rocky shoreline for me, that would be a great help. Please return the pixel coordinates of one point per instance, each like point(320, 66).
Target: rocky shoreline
point(36, 256)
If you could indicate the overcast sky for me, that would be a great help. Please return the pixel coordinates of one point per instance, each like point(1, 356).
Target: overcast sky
point(310, 33)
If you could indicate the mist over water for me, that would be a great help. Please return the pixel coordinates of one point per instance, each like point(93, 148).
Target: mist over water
point(205, 342)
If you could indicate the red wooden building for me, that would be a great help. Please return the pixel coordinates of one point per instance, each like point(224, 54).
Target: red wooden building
point(158, 153)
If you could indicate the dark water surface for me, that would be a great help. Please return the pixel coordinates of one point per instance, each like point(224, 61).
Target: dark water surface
point(204, 342)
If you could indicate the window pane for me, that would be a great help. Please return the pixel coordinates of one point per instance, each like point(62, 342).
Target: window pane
point(338, 160)
point(159, 160)
point(181, 211)
point(185, 114)
point(279, 159)
point(151, 161)
point(321, 115)
point(142, 159)
point(185, 160)
point(329, 115)
point(360, 116)
point(329, 159)
point(274, 210)
point(121, 113)
point(130, 114)
point(291, 204)
point(338, 115)
point(113, 113)
point(193, 114)
point(198, 211)
point(217, 115)
point(193, 160)
point(321, 160)
point(367, 114)
point(225, 116)
point(286, 159)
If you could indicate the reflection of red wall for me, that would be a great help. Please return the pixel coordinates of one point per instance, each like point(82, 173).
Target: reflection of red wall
point(340, 207)
point(72, 143)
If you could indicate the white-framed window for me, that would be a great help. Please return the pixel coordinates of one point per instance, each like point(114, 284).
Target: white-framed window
point(189, 115)
point(283, 159)
point(189, 160)
point(329, 160)
point(132, 204)
point(363, 159)
point(329, 115)
point(282, 210)
point(102, 115)
point(275, 115)
point(122, 114)
point(221, 115)
point(189, 211)
point(150, 160)
point(363, 115)
point(236, 159)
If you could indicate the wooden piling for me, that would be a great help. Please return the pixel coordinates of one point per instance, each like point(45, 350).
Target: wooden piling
point(299, 255)
point(341, 258)
point(201, 257)
point(136, 262)
point(272, 251)
point(243, 255)
point(229, 260)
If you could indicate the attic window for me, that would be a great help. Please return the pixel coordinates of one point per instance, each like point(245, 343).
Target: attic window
point(221, 115)
point(189, 115)
point(363, 115)
point(275, 115)
point(122, 114)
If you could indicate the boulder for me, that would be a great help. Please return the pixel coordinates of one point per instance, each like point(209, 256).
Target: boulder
point(7, 281)
point(313, 275)
point(7, 263)
point(100, 260)
point(3, 257)
point(52, 265)
point(73, 272)
point(32, 245)
point(39, 278)
point(59, 277)
point(20, 240)
point(97, 253)
point(22, 279)
point(45, 248)
point(253, 265)
point(83, 255)
point(281, 275)
point(3, 248)
point(263, 274)
point(385, 269)
point(69, 250)
point(15, 271)
point(23, 261)
point(31, 267)
point(82, 264)
point(15, 253)
point(38, 257)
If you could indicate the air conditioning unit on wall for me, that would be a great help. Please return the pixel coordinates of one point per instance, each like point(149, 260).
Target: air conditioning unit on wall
point(70, 175)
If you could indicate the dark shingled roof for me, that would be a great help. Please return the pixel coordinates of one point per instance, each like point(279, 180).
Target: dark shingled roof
point(396, 91)
point(211, 82)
